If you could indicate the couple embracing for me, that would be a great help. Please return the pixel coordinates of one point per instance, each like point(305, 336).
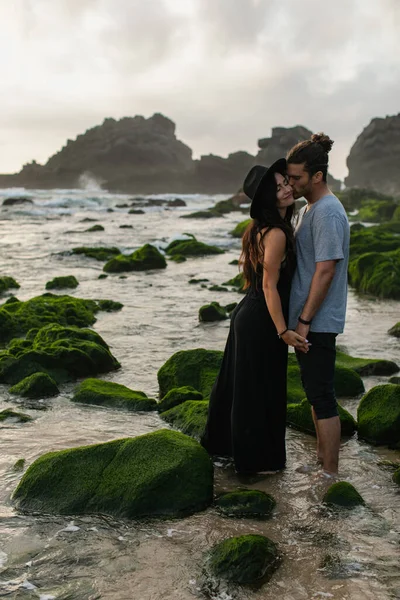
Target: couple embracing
point(296, 281)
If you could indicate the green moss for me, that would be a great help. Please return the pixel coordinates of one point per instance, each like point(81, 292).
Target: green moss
point(237, 282)
point(343, 494)
point(377, 274)
point(190, 417)
point(218, 288)
point(177, 396)
point(178, 258)
point(396, 476)
point(8, 413)
point(395, 380)
point(378, 415)
point(396, 214)
point(19, 465)
point(157, 474)
point(395, 330)
point(234, 262)
point(102, 276)
point(109, 305)
point(114, 395)
point(197, 368)
point(64, 353)
point(299, 417)
point(366, 366)
point(59, 283)
point(354, 197)
point(373, 211)
point(102, 253)
point(191, 248)
point(37, 385)
point(371, 239)
point(95, 228)
point(212, 312)
point(202, 214)
point(143, 259)
point(7, 283)
point(240, 228)
point(246, 503)
point(243, 559)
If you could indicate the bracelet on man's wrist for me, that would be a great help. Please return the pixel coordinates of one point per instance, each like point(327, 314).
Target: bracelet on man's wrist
point(283, 332)
point(304, 322)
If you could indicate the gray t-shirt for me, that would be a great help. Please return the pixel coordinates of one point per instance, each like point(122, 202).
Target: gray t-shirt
point(322, 233)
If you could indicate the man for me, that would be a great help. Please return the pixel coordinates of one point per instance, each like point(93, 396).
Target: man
point(319, 288)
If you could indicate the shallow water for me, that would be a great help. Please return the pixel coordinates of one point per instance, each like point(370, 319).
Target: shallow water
point(98, 557)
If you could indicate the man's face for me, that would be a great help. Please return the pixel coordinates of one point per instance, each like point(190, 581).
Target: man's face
point(299, 179)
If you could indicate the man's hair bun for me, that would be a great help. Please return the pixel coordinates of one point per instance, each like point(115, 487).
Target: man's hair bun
point(324, 141)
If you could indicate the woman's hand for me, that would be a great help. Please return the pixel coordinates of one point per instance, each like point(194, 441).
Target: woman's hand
point(292, 338)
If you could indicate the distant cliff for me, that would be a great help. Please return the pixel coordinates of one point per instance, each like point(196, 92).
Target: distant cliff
point(139, 156)
point(374, 159)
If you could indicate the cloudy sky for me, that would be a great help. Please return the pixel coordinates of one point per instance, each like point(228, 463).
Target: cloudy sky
point(226, 71)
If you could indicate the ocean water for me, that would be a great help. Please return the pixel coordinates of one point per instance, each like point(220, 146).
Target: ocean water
point(83, 558)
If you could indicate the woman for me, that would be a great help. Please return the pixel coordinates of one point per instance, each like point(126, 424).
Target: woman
point(247, 410)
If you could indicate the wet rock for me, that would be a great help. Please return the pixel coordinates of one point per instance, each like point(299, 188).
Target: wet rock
point(176, 202)
point(191, 247)
point(19, 465)
point(64, 353)
point(395, 330)
point(203, 214)
point(234, 203)
point(144, 259)
point(366, 366)
point(122, 206)
point(240, 228)
point(378, 415)
point(126, 226)
point(196, 368)
point(246, 503)
point(102, 276)
point(109, 305)
point(395, 380)
point(15, 417)
point(218, 288)
point(178, 396)
point(96, 227)
point(178, 258)
point(136, 211)
point(299, 417)
point(37, 385)
point(164, 473)
point(237, 282)
point(100, 253)
point(59, 283)
point(8, 283)
point(212, 312)
point(113, 395)
point(396, 476)
point(191, 281)
point(244, 559)
point(373, 211)
point(231, 307)
point(14, 200)
point(234, 262)
point(343, 494)
point(190, 417)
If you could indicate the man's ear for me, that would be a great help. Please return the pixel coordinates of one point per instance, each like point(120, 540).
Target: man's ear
point(318, 177)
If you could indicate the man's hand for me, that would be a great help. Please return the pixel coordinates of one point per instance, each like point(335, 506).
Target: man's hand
point(302, 330)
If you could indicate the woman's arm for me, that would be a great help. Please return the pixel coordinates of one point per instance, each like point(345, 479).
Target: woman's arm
point(274, 243)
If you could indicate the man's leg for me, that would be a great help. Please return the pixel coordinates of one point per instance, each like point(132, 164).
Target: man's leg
point(329, 435)
point(320, 451)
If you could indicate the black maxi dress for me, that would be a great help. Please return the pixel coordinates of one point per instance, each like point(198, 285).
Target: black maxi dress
point(247, 410)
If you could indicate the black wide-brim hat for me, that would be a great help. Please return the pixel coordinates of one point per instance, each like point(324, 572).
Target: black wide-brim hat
point(261, 181)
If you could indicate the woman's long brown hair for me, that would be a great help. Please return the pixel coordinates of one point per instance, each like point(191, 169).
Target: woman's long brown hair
point(252, 256)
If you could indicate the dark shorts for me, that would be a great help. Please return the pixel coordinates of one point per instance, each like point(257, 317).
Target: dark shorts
point(317, 369)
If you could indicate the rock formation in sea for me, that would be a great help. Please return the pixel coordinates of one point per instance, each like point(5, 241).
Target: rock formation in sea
point(142, 156)
point(373, 161)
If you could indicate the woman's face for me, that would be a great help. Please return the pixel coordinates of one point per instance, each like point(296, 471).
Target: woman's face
point(284, 192)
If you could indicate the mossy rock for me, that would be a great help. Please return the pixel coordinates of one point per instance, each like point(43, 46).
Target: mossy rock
point(94, 228)
point(190, 417)
point(178, 396)
point(240, 228)
point(101, 253)
point(230, 307)
point(395, 330)
point(163, 473)
point(396, 476)
point(366, 366)
point(396, 214)
point(17, 318)
point(246, 503)
point(212, 312)
point(353, 198)
point(373, 211)
point(178, 258)
point(395, 380)
point(102, 276)
point(7, 283)
point(372, 239)
point(113, 395)
point(203, 214)
point(135, 211)
point(59, 283)
point(237, 282)
point(377, 273)
point(197, 368)
point(19, 465)
point(143, 259)
point(109, 305)
point(299, 417)
point(37, 385)
point(218, 288)
point(191, 247)
point(378, 415)
point(17, 417)
point(64, 353)
point(343, 494)
point(244, 559)
point(194, 280)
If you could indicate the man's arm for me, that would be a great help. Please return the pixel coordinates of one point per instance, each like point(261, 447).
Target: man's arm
point(320, 284)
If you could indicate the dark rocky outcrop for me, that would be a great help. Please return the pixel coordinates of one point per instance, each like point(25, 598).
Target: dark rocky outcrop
point(373, 161)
